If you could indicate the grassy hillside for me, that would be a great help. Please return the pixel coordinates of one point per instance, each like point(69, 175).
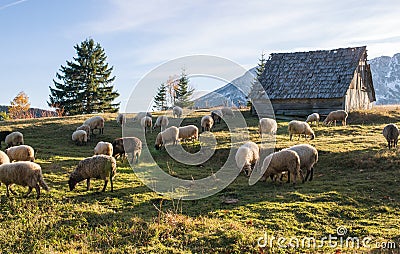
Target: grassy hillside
point(356, 186)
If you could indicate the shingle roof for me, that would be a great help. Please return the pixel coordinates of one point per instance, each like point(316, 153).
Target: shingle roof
point(314, 74)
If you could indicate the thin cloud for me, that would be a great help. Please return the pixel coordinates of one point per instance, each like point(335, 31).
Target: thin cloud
point(11, 4)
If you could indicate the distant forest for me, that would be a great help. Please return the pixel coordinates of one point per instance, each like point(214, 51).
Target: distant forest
point(35, 112)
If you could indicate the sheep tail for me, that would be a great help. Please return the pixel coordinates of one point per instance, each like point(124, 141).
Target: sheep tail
point(42, 183)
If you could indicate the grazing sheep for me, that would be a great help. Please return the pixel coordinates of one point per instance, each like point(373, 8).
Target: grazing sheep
point(4, 158)
point(246, 157)
point(86, 128)
point(217, 115)
point(308, 157)
point(129, 145)
point(79, 137)
point(99, 166)
point(169, 135)
point(96, 122)
point(391, 133)
point(267, 126)
point(189, 131)
point(177, 111)
point(314, 117)
point(103, 148)
point(140, 115)
point(338, 115)
point(21, 153)
point(3, 135)
point(24, 173)
point(146, 124)
point(206, 123)
point(227, 111)
point(14, 139)
point(162, 121)
point(282, 161)
point(299, 127)
point(121, 119)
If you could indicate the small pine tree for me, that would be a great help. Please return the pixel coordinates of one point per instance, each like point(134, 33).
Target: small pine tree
point(255, 85)
point(184, 92)
point(19, 106)
point(160, 99)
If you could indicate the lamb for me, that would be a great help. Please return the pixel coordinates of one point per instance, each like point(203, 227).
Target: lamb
point(14, 139)
point(99, 166)
point(391, 133)
point(121, 119)
point(282, 161)
point(246, 157)
point(86, 128)
point(3, 135)
point(206, 123)
point(96, 122)
point(227, 111)
point(308, 157)
point(21, 153)
point(314, 117)
point(189, 131)
point(146, 124)
point(177, 111)
point(170, 135)
point(4, 158)
point(338, 115)
point(267, 126)
point(217, 115)
point(24, 173)
point(103, 148)
point(299, 127)
point(129, 145)
point(162, 121)
point(79, 137)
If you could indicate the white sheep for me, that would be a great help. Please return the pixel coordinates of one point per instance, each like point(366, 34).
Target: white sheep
point(146, 123)
point(299, 127)
point(103, 148)
point(391, 133)
point(177, 111)
point(206, 123)
point(162, 121)
point(246, 157)
point(282, 161)
point(4, 158)
point(121, 119)
point(79, 137)
point(227, 111)
point(308, 157)
point(127, 145)
point(338, 115)
point(169, 135)
point(314, 117)
point(96, 122)
point(86, 128)
point(267, 126)
point(24, 173)
point(98, 166)
point(188, 132)
point(140, 115)
point(21, 153)
point(217, 115)
point(14, 139)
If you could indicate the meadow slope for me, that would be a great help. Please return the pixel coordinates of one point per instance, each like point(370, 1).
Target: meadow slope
point(355, 187)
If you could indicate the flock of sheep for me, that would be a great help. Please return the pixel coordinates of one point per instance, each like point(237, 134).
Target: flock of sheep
point(17, 162)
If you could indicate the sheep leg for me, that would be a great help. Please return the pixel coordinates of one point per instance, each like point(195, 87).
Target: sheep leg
point(105, 185)
point(87, 184)
point(12, 191)
point(311, 174)
point(29, 191)
point(112, 184)
point(7, 191)
point(290, 137)
point(288, 177)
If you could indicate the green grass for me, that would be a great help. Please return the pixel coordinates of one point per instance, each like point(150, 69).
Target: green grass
point(356, 185)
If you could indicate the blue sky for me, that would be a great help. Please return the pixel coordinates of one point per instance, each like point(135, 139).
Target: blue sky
point(37, 36)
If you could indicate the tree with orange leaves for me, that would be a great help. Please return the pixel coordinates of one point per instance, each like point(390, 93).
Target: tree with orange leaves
point(19, 106)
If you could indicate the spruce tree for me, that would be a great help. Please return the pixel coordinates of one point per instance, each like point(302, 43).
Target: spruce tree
point(255, 87)
point(160, 99)
point(183, 91)
point(84, 85)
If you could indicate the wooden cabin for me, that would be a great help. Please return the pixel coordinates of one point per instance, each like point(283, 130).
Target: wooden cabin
point(300, 83)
